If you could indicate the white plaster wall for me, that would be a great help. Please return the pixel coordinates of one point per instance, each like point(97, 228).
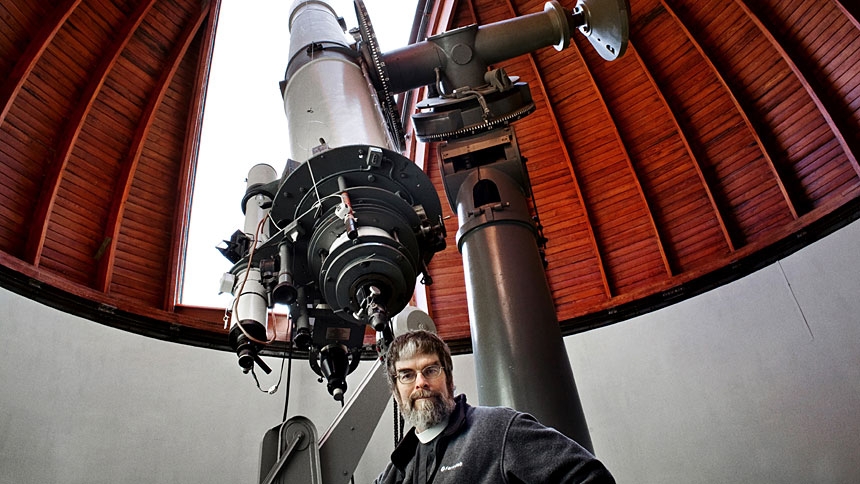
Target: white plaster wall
point(742, 384)
point(757, 381)
point(82, 403)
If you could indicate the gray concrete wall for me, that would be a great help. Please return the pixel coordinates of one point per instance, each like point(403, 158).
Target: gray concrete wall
point(758, 381)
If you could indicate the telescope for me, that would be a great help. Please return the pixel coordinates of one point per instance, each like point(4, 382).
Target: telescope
point(343, 235)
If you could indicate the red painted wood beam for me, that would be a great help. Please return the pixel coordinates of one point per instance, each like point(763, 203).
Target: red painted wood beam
point(71, 131)
point(443, 14)
point(801, 77)
point(569, 162)
point(50, 26)
point(471, 5)
point(182, 206)
point(129, 166)
point(850, 10)
point(718, 212)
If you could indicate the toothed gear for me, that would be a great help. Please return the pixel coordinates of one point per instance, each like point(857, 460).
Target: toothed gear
point(480, 127)
point(370, 47)
point(479, 110)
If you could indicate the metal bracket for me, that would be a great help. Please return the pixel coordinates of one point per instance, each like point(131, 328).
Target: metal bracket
point(606, 25)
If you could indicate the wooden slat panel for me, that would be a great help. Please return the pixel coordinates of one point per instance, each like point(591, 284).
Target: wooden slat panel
point(20, 22)
point(559, 205)
point(818, 61)
point(621, 165)
point(561, 201)
point(72, 128)
point(25, 145)
point(663, 164)
point(120, 197)
point(103, 137)
point(731, 159)
point(603, 171)
point(49, 25)
point(448, 290)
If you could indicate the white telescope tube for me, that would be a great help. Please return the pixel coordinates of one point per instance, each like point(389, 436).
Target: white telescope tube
point(327, 99)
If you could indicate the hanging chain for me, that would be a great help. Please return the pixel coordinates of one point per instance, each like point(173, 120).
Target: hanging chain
point(398, 424)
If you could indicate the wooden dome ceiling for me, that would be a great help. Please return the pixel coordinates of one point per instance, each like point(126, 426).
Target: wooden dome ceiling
point(725, 138)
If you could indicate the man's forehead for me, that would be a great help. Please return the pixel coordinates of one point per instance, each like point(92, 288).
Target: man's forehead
point(416, 362)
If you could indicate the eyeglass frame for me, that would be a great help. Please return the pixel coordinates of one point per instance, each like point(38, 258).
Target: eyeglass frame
point(398, 376)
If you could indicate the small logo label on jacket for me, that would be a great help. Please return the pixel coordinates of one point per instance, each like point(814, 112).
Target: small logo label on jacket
point(450, 468)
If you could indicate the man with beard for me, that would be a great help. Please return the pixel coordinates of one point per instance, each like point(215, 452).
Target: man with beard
point(454, 442)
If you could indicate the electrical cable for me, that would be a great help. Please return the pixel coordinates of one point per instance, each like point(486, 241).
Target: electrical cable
point(314, 181)
point(272, 389)
point(438, 84)
point(270, 315)
point(316, 205)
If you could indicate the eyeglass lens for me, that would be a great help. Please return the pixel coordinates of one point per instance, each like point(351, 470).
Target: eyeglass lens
point(429, 372)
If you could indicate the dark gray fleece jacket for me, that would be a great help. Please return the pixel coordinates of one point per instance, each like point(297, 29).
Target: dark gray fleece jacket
point(491, 445)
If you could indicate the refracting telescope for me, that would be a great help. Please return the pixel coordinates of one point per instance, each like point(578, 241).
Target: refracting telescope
point(343, 234)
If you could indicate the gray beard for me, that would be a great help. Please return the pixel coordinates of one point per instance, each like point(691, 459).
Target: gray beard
point(425, 413)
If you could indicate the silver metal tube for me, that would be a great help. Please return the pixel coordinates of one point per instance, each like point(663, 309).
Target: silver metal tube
point(327, 99)
point(254, 212)
point(251, 303)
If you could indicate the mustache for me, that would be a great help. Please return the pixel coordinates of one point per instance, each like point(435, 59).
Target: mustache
point(423, 393)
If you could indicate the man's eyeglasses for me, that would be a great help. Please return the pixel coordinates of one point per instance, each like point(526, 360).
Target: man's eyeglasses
point(431, 372)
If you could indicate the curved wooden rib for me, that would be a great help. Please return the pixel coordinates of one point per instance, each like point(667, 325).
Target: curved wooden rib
point(813, 94)
point(740, 109)
point(741, 112)
point(474, 12)
point(182, 207)
point(607, 289)
point(71, 131)
point(50, 26)
point(442, 16)
point(718, 213)
point(123, 187)
point(660, 246)
point(852, 14)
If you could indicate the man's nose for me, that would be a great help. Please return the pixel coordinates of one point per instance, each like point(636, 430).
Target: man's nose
point(420, 381)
